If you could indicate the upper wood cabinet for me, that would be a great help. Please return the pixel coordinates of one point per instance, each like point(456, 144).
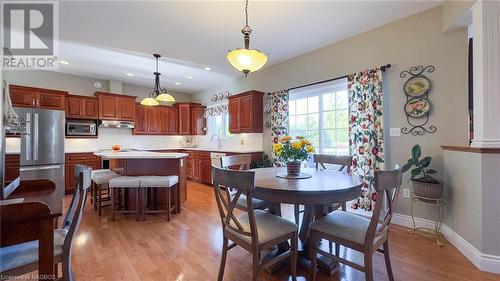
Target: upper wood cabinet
point(191, 118)
point(81, 107)
point(155, 120)
point(116, 107)
point(246, 112)
point(23, 96)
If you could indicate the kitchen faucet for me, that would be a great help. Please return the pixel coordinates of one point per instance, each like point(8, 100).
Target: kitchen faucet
point(218, 140)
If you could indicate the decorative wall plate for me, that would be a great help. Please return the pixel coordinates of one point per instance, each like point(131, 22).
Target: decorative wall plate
point(417, 107)
point(417, 86)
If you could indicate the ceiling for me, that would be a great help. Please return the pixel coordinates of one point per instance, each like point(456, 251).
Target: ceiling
point(107, 39)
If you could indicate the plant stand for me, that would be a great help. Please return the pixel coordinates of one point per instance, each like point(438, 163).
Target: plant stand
point(438, 206)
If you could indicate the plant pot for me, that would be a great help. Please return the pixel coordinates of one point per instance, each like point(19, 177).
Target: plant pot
point(293, 168)
point(428, 189)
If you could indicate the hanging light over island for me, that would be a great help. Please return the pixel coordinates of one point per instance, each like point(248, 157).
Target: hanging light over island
point(158, 94)
point(245, 59)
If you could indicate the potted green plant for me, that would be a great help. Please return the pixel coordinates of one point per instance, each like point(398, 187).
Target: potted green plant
point(424, 184)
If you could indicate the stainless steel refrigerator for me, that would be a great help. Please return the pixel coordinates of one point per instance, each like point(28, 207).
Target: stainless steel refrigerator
point(42, 147)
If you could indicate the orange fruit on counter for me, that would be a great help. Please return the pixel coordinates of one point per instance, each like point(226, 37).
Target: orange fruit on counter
point(116, 147)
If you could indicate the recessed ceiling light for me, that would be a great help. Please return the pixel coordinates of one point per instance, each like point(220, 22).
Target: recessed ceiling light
point(63, 62)
point(129, 74)
point(208, 68)
point(190, 77)
point(177, 83)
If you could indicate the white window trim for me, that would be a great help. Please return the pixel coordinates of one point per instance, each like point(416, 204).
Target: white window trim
point(318, 90)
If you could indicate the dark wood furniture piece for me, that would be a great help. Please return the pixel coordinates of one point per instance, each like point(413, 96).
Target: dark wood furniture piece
point(360, 233)
point(72, 159)
point(156, 120)
point(241, 162)
point(191, 118)
point(344, 162)
point(254, 230)
point(122, 185)
point(158, 167)
point(82, 107)
point(23, 96)
point(115, 106)
point(199, 162)
point(150, 184)
point(246, 112)
point(12, 164)
point(316, 194)
point(41, 205)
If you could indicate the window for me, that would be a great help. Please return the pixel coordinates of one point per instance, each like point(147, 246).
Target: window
point(320, 113)
point(219, 125)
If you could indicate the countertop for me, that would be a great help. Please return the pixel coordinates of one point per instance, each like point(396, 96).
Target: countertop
point(139, 155)
point(230, 150)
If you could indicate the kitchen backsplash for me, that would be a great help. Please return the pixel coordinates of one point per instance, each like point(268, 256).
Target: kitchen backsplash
point(123, 137)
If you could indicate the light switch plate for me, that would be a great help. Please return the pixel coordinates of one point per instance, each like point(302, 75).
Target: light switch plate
point(406, 193)
point(395, 132)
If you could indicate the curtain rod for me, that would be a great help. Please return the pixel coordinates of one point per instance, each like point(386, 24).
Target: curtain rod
point(383, 68)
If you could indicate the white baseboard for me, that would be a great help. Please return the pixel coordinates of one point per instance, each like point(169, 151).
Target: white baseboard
point(484, 262)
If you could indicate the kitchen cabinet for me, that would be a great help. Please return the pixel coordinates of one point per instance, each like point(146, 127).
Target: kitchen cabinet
point(116, 107)
point(246, 112)
point(23, 96)
point(73, 159)
point(81, 107)
point(155, 120)
point(191, 118)
point(12, 165)
point(199, 164)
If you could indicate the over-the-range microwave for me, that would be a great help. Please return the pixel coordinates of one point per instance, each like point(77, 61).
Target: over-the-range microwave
point(81, 128)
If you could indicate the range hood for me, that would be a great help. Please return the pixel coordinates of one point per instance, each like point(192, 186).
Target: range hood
point(116, 124)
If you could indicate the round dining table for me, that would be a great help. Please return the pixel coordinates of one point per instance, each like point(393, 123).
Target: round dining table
point(316, 194)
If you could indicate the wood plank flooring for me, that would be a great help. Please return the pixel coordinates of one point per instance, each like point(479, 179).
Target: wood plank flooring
point(188, 249)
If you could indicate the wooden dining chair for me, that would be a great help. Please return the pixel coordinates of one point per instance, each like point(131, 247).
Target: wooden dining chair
point(320, 160)
point(357, 232)
point(253, 230)
point(23, 258)
point(242, 162)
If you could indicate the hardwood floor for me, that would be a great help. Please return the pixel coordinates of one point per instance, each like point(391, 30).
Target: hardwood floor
point(188, 249)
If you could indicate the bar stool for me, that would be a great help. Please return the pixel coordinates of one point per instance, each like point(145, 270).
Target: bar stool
point(168, 182)
point(125, 182)
point(99, 188)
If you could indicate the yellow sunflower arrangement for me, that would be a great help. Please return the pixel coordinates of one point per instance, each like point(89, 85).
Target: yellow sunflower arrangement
point(293, 150)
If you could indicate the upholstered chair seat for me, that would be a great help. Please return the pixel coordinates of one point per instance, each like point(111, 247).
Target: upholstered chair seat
point(103, 176)
point(269, 227)
point(26, 254)
point(158, 181)
point(125, 182)
point(345, 225)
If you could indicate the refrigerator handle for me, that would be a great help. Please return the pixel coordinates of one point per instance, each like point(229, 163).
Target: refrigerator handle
point(27, 137)
point(35, 137)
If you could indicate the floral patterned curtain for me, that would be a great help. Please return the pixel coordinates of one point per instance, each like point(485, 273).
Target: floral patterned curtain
point(279, 117)
point(366, 137)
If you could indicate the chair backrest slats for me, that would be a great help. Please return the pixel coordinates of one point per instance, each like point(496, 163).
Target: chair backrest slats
point(387, 184)
point(243, 161)
point(243, 183)
point(74, 216)
point(343, 161)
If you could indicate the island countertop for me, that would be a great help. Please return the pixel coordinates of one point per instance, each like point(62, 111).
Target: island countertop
point(139, 155)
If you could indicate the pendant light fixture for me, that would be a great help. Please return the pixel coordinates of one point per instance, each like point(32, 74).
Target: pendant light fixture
point(158, 93)
point(246, 60)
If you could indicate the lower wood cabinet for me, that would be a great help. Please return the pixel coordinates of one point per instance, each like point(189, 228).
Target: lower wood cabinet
point(199, 165)
point(12, 165)
point(73, 159)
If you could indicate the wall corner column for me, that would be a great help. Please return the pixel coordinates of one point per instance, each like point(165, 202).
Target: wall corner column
point(486, 56)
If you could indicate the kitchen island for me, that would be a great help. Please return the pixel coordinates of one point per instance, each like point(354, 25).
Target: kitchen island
point(147, 163)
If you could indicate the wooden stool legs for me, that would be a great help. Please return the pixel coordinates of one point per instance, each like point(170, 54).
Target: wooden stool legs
point(138, 202)
point(171, 195)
